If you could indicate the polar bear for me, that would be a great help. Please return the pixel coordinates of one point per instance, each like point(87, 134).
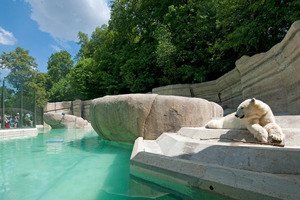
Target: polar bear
point(254, 115)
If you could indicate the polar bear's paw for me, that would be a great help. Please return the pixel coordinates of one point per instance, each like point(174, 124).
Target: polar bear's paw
point(275, 132)
point(276, 138)
point(262, 137)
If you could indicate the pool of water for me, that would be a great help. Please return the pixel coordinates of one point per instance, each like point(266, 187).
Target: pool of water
point(75, 164)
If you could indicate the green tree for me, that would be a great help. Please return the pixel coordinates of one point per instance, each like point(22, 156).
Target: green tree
point(134, 24)
point(249, 27)
point(22, 66)
point(9, 96)
point(82, 77)
point(40, 84)
point(191, 30)
point(97, 72)
point(59, 65)
point(23, 73)
point(89, 45)
point(154, 43)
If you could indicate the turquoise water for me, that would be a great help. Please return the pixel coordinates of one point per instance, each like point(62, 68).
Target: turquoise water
point(77, 165)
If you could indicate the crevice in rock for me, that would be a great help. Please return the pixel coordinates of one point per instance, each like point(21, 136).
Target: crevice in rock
point(94, 123)
point(175, 120)
point(191, 91)
point(148, 114)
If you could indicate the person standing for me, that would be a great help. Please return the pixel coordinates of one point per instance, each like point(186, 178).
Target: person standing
point(17, 120)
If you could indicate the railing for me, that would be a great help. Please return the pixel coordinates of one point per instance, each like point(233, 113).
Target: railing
point(18, 107)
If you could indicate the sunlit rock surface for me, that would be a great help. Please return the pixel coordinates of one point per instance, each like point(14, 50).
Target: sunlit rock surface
point(59, 120)
point(126, 117)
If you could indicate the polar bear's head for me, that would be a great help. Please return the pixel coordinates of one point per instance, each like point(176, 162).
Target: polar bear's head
point(251, 108)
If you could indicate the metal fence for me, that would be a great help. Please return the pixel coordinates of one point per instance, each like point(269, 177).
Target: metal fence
point(18, 107)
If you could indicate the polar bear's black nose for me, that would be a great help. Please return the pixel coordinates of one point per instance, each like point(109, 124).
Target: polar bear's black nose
point(236, 115)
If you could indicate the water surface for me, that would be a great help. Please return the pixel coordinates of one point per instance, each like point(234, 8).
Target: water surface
point(75, 164)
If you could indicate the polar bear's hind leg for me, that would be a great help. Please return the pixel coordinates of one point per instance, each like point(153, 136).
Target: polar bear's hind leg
point(217, 124)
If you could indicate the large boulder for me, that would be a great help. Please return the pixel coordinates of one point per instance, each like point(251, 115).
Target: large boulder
point(58, 120)
point(127, 117)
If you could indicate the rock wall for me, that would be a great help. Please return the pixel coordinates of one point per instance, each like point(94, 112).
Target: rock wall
point(59, 107)
point(78, 108)
point(86, 110)
point(272, 77)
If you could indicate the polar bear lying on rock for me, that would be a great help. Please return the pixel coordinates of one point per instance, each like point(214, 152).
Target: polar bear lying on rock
point(254, 115)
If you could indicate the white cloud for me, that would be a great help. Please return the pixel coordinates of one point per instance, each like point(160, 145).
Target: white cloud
point(6, 37)
point(63, 19)
point(3, 73)
point(63, 43)
point(56, 48)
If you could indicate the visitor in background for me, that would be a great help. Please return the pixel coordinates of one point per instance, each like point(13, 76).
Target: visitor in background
point(6, 122)
point(11, 121)
point(27, 120)
point(17, 120)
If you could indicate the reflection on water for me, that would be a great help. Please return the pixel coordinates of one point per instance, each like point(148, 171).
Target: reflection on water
point(81, 166)
point(53, 148)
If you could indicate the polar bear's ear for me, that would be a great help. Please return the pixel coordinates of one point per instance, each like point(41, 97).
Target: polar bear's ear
point(253, 100)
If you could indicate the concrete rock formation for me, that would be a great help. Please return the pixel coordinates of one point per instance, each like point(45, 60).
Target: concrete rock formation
point(86, 109)
point(271, 77)
point(127, 117)
point(78, 108)
point(58, 120)
point(59, 107)
point(224, 161)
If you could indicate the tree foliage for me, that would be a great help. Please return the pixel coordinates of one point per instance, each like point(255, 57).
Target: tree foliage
point(23, 74)
point(40, 84)
point(59, 65)
point(22, 66)
point(154, 43)
point(248, 27)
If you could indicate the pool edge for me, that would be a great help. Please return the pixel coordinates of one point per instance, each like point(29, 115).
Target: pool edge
point(7, 134)
point(226, 181)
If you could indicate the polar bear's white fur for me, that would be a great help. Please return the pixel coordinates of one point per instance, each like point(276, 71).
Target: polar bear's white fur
point(254, 115)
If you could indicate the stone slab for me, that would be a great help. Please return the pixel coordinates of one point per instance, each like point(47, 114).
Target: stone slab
point(176, 90)
point(233, 169)
point(258, 158)
point(288, 121)
point(233, 183)
point(18, 133)
point(292, 138)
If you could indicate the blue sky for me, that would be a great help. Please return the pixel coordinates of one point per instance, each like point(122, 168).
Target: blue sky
point(47, 26)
